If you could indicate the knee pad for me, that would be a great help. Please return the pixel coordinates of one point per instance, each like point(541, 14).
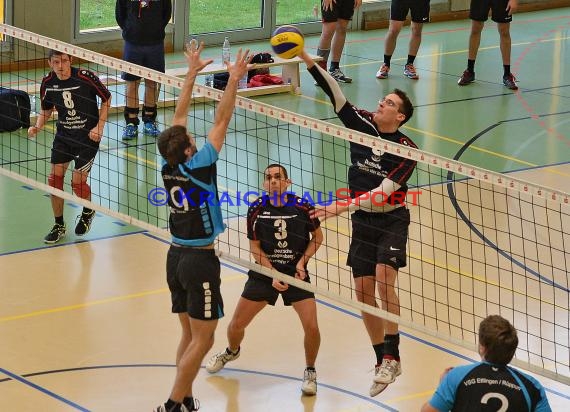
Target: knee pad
point(55, 181)
point(149, 114)
point(81, 190)
point(130, 119)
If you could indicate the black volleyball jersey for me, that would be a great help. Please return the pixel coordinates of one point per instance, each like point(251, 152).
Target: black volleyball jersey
point(195, 212)
point(284, 232)
point(370, 166)
point(483, 386)
point(75, 100)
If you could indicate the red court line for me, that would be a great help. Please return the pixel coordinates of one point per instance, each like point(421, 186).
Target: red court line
point(519, 95)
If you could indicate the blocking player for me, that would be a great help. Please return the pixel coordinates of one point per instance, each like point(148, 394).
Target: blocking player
point(192, 267)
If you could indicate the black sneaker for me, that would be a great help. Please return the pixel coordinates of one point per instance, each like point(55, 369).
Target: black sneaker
point(510, 82)
point(466, 78)
point(84, 223)
point(56, 233)
point(339, 76)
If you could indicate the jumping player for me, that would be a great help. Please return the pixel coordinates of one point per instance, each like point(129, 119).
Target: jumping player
point(379, 234)
point(192, 267)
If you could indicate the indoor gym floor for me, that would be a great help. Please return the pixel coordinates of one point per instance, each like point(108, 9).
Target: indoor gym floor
point(86, 325)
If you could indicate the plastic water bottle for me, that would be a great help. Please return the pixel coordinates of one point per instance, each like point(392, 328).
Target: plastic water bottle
point(209, 80)
point(226, 52)
point(242, 84)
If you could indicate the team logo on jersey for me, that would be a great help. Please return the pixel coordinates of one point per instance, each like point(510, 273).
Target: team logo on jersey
point(376, 154)
point(72, 112)
point(282, 244)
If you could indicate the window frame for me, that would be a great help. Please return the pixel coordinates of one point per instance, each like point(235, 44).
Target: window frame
point(180, 19)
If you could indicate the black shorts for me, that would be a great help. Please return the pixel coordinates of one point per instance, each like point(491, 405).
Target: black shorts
point(258, 288)
point(419, 10)
point(82, 151)
point(479, 11)
point(378, 238)
point(148, 56)
point(342, 9)
point(193, 277)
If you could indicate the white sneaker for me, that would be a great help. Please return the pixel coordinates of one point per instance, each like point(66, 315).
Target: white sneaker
point(377, 388)
point(162, 408)
point(388, 371)
point(219, 360)
point(309, 386)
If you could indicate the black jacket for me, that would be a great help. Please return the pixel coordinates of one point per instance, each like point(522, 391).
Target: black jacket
point(143, 21)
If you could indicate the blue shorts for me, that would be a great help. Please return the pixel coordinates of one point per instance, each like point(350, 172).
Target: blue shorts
point(151, 57)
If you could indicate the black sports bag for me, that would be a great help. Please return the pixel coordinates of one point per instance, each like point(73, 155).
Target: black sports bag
point(14, 109)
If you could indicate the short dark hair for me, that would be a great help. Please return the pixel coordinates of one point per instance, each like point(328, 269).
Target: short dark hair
point(172, 143)
point(407, 108)
point(283, 170)
point(53, 52)
point(499, 338)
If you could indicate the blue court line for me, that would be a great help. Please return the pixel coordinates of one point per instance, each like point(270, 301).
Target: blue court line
point(154, 365)
point(242, 271)
point(355, 315)
point(41, 389)
point(71, 243)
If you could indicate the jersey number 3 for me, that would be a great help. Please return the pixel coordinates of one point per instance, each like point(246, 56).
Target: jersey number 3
point(281, 232)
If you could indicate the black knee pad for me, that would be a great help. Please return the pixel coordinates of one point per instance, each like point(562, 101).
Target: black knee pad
point(149, 114)
point(129, 119)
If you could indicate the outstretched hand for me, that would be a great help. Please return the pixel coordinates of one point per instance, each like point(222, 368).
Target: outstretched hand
point(240, 67)
point(192, 54)
point(324, 212)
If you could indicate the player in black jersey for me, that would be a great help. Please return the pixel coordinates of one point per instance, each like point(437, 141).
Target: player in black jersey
point(73, 93)
point(143, 24)
point(379, 232)
point(490, 385)
point(282, 237)
point(192, 267)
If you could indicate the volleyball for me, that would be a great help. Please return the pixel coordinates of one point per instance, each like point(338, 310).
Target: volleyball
point(287, 41)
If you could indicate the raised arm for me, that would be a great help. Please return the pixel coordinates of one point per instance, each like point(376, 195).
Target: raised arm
point(225, 108)
point(326, 81)
point(195, 64)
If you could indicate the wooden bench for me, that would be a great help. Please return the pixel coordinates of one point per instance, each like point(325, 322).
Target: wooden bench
point(290, 73)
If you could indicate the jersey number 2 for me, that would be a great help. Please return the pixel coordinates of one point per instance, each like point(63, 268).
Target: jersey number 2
point(500, 397)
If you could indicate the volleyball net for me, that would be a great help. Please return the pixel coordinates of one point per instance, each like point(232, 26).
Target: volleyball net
point(479, 243)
